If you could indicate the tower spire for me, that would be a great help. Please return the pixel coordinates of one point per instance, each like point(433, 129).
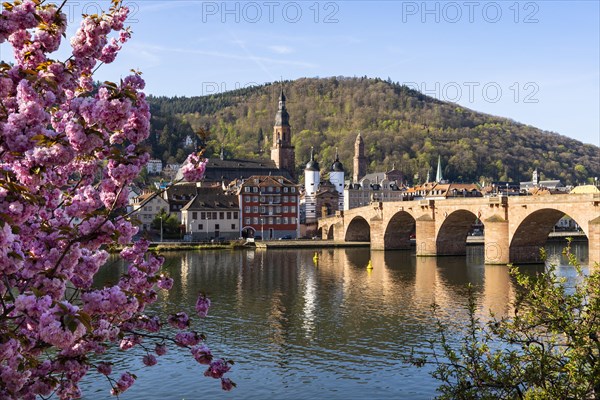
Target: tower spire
point(438, 176)
point(282, 151)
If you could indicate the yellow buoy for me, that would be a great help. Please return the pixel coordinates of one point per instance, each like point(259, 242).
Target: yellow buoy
point(316, 258)
point(369, 266)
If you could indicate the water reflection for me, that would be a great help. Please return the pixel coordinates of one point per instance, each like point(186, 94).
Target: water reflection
point(302, 329)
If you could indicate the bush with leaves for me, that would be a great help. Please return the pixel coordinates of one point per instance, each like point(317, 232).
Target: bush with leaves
point(68, 152)
point(548, 348)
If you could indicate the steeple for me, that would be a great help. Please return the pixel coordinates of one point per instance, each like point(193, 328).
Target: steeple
point(282, 151)
point(282, 118)
point(438, 176)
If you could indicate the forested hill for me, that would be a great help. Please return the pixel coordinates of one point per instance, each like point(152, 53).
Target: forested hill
point(400, 127)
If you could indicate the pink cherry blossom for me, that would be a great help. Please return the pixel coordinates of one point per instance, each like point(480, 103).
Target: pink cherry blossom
point(69, 150)
point(202, 305)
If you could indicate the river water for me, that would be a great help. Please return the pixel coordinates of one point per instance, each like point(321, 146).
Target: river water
point(306, 327)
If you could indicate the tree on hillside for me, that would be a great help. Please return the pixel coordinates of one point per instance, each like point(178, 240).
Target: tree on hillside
point(68, 152)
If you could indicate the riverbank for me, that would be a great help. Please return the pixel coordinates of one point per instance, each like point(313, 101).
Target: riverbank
point(307, 244)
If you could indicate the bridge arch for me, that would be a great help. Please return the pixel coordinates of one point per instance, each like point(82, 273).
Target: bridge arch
point(398, 231)
point(331, 233)
point(532, 233)
point(451, 238)
point(358, 230)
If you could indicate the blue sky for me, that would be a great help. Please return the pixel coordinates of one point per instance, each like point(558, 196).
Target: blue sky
point(537, 62)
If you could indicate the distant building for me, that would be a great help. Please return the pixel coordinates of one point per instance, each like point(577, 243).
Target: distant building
point(170, 171)
point(134, 192)
point(154, 166)
point(190, 142)
point(269, 207)
point(146, 207)
point(536, 183)
point(211, 214)
point(442, 191)
point(378, 186)
point(178, 195)
point(321, 197)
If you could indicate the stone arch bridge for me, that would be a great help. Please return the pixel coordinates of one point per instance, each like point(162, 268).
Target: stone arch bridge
point(515, 227)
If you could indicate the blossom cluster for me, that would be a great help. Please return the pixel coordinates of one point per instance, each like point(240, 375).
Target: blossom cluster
point(69, 149)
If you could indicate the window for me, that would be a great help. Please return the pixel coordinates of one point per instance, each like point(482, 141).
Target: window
point(293, 190)
point(255, 189)
point(195, 215)
point(292, 220)
point(247, 199)
point(149, 208)
point(270, 220)
point(235, 215)
point(278, 210)
point(214, 215)
point(263, 209)
point(247, 189)
point(208, 215)
point(255, 209)
point(255, 220)
point(200, 226)
point(232, 226)
point(270, 189)
point(285, 199)
point(247, 220)
point(221, 215)
point(202, 215)
point(228, 214)
point(286, 220)
point(247, 209)
point(278, 221)
point(285, 190)
point(286, 209)
point(293, 199)
point(262, 199)
point(255, 199)
point(277, 190)
point(293, 209)
point(216, 227)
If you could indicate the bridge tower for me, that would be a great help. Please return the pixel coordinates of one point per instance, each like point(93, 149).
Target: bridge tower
point(312, 180)
point(336, 177)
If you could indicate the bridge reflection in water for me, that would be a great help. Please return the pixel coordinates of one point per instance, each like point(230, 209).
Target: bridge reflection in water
point(306, 327)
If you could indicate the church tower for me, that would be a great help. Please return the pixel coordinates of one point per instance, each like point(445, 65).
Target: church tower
point(282, 151)
point(360, 161)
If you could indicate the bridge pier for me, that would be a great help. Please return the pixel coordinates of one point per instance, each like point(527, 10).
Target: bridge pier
point(377, 234)
point(425, 236)
point(594, 242)
point(497, 247)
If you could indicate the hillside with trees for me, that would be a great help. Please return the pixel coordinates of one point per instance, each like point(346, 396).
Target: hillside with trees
point(401, 127)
